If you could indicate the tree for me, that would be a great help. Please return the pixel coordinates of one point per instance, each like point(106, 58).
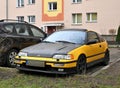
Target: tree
point(118, 36)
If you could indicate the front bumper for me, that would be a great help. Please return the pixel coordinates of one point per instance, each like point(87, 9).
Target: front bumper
point(48, 70)
point(50, 66)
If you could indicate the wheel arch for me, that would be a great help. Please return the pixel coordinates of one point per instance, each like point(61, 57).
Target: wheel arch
point(81, 64)
point(82, 55)
point(107, 50)
point(15, 48)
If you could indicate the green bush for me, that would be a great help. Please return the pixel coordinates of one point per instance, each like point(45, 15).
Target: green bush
point(118, 36)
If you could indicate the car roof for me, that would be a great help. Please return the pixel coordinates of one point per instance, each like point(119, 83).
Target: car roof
point(74, 29)
point(11, 23)
point(6, 21)
point(77, 29)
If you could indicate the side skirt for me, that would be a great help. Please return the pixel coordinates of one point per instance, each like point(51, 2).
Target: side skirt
point(95, 62)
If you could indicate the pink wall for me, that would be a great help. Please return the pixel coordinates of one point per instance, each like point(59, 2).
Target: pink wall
point(107, 10)
point(2, 9)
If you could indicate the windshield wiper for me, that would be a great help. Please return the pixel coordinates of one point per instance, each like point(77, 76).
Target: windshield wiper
point(47, 42)
point(65, 41)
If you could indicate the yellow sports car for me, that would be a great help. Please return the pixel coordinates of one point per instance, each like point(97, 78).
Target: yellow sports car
point(64, 52)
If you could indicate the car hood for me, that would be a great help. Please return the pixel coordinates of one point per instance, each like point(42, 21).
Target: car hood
point(49, 49)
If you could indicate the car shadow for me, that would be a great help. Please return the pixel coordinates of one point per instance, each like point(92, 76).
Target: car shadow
point(90, 71)
point(45, 74)
point(94, 68)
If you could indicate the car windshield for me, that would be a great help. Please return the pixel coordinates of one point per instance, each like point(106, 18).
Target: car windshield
point(75, 37)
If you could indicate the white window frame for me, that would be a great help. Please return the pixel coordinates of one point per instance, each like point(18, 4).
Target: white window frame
point(91, 16)
point(20, 3)
point(31, 19)
point(76, 18)
point(31, 1)
point(51, 6)
point(76, 1)
point(21, 18)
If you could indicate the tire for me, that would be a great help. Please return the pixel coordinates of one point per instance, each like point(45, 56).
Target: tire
point(81, 65)
point(10, 57)
point(106, 58)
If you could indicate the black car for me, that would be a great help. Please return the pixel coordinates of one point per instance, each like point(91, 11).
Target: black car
point(15, 35)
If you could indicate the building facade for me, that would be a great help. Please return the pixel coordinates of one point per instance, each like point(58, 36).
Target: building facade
point(51, 15)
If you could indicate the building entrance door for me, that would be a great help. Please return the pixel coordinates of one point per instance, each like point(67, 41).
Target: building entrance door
point(51, 29)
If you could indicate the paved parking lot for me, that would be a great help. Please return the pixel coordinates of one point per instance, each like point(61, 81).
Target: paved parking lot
point(114, 56)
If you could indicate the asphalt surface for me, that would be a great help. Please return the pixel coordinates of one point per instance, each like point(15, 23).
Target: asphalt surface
point(114, 56)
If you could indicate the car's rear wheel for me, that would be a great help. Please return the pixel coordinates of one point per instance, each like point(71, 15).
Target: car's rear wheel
point(81, 65)
point(10, 57)
point(106, 58)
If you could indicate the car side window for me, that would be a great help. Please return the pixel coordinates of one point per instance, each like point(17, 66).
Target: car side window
point(36, 32)
point(21, 29)
point(9, 27)
point(93, 36)
point(101, 38)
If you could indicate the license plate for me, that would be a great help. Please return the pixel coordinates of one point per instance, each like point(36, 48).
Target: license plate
point(35, 63)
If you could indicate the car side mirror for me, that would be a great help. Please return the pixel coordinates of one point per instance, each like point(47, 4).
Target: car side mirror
point(41, 39)
point(92, 42)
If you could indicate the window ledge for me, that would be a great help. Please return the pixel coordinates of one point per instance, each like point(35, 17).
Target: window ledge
point(32, 22)
point(52, 10)
point(79, 24)
point(19, 6)
point(76, 2)
point(31, 4)
point(91, 21)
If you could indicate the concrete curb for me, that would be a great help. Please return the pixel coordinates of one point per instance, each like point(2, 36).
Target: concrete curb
point(104, 68)
point(114, 46)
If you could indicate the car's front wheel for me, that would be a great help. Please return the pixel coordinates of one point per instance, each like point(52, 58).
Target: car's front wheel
point(81, 65)
point(10, 57)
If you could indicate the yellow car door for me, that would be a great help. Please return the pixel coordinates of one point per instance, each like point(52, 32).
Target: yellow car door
point(94, 48)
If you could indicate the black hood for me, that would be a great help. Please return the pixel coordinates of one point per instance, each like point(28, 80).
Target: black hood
point(49, 49)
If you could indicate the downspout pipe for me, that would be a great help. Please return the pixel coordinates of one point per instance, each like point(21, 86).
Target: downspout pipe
point(6, 9)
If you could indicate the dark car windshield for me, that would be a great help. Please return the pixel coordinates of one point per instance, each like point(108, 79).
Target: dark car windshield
point(77, 37)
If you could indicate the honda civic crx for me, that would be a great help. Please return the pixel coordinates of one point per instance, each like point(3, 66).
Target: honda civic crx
point(64, 52)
